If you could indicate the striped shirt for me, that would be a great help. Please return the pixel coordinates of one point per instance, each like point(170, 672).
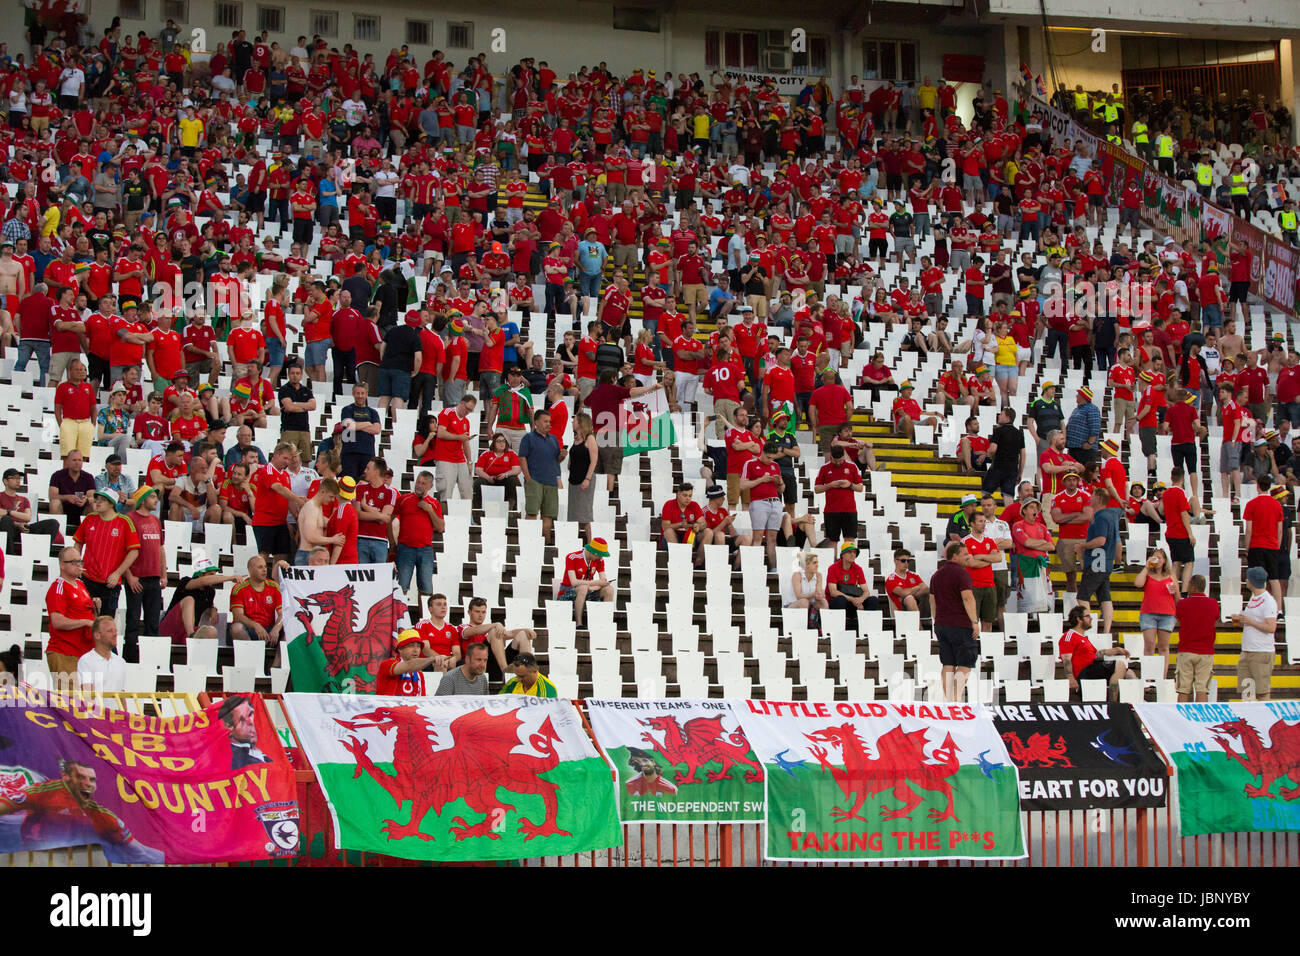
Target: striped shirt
point(454, 683)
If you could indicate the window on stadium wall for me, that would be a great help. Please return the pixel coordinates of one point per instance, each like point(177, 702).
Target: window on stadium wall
point(766, 51)
point(893, 60)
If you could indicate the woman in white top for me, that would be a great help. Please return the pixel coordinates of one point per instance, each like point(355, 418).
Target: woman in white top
point(17, 104)
point(808, 587)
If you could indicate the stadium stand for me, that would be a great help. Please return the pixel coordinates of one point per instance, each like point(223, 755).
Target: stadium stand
point(834, 177)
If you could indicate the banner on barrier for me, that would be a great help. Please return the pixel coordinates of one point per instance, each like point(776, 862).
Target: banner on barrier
point(787, 84)
point(685, 761)
point(884, 781)
point(342, 622)
point(207, 787)
point(458, 778)
point(1081, 756)
point(1281, 267)
point(1238, 764)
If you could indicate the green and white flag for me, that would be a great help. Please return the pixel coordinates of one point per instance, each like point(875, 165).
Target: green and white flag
point(458, 778)
point(679, 761)
point(342, 621)
point(884, 781)
point(1238, 764)
point(646, 423)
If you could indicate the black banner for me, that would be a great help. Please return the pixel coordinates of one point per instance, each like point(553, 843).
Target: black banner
point(1081, 756)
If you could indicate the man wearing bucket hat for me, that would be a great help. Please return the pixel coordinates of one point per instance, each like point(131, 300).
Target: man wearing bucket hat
point(144, 576)
point(584, 577)
point(907, 413)
point(846, 586)
point(402, 675)
point(1083, 429)
point(1113, 482)
point(109, 545)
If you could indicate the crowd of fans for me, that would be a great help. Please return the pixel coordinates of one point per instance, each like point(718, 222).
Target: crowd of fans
point(146, 218)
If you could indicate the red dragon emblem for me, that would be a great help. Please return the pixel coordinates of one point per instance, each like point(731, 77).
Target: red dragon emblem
point(480, 761)
point(1039, 750)
point(902, 761)
point(701, 741)
point(346, 648)
point(1279, 760)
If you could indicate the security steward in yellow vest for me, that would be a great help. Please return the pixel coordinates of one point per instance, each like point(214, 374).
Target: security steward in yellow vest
point(1204, 177)
point(1239, 190)
point(1287, 220)
point(1165, 153)
point(1142, 137)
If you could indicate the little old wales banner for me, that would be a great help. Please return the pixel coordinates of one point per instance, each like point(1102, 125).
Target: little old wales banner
point(341, 621)
point(679, 761)
point(207, 787)
point(1238, 764)
point(884, 781)
point(458, 778)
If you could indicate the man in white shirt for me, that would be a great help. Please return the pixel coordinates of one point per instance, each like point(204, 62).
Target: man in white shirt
point(72, 82)
point(101, 669)
point(1000, 532)
point(1258, 639)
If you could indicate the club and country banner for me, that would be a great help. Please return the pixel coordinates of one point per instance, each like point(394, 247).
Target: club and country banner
point(685, 761)
point(1238, 764)
point(342, 622)
point(458, 778)
point(205, 787)
point(884, 781)
point(1080, 756)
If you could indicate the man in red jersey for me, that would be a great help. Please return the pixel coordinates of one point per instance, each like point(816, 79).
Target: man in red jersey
point(403, 674)
point(272, 499)
point(110, 545)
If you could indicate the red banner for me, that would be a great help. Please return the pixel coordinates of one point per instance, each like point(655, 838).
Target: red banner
point(205, 787)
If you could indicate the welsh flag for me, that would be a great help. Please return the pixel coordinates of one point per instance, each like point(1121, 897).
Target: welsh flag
point(1171, 205)
point(342, 621)
point(884, 781)
point(646, 424)
point(680, 761)
point(458, 778)
point(1235, 763)
point(1151, 189)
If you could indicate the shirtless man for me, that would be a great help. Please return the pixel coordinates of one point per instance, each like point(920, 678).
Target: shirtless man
point(13, 286)
point(312, 522)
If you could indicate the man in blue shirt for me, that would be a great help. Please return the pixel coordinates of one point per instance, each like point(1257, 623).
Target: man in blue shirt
point(540, 454)
point(359, 424)
point(1099, 546)
point(721, 301)
point(591, 260)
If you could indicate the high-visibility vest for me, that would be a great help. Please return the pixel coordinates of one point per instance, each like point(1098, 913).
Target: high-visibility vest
point(1165, 146)
point(1204, 174)
point(1098, 109)
point(1112, 112)
point(1140, 133)
point(1114, 138)
point(1080, 101)
point(1287, 220)
point(1238, 184)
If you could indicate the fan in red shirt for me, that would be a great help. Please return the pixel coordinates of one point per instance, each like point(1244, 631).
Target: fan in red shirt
point(904, 586)
point(110, 546)
point(403, 675)
point(1084, 660)
point(682, 519)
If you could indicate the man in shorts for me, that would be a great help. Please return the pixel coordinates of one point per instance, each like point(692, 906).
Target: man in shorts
point(584, 577)
point(1099, 546)
point(761, 477)
point(1198, 618)
point(1258, 622)
point(540, 455)
point(1084, 660)
point(1071, 514)
point(956, 619)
